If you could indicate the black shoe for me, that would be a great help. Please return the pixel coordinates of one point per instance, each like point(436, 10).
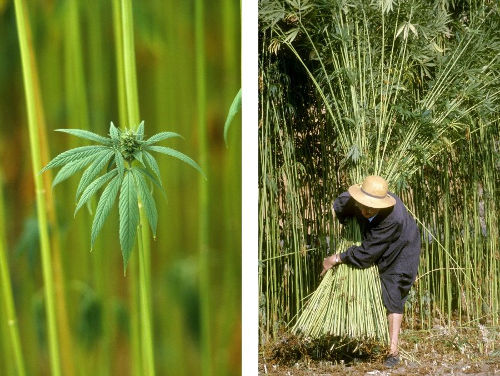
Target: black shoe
point(391, 361)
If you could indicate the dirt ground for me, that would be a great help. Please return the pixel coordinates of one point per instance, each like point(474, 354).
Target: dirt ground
point(440, 351)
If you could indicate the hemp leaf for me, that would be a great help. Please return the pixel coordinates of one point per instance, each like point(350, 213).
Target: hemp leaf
point(122, 163)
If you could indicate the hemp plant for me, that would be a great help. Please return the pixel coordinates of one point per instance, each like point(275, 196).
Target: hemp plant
point(125, 156)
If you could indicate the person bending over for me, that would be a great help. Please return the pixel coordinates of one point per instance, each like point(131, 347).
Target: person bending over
point(391, 240)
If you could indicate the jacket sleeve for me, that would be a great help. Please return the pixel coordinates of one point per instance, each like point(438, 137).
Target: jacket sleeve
point(344, 207)
point(377, 241)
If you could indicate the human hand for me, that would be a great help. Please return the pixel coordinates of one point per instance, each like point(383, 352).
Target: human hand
point(329, 262)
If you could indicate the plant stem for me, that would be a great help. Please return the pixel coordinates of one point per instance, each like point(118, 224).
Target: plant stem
point(24, 43)
point(145, 304)
point(99, 91)
point(131, 95)
point(6, 292)
point(230, 314)
point(132, 106)
point(66, 342)
point(123, 117)
point(204, 266)
point(120, 76)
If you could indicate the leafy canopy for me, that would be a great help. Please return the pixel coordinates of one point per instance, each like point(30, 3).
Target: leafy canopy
point(121, 163)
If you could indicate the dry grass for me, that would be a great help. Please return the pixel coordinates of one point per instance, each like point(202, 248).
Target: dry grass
point(440, 351)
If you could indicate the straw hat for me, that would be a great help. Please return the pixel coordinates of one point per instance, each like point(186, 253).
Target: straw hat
point(372, 193)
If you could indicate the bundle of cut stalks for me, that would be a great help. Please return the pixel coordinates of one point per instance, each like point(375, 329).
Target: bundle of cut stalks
point(347, 303)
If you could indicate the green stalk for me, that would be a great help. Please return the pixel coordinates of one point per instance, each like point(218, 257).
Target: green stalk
point(99, 91)
point(169, 109)
point(8, 301)
point(120, 75)
point(229, 316)
point(7, 365)
point(26, 56)
point(145, 303)
point(136, 353)
point(53, 86)
point(203, 262)
point(75, 99)
point(143, 233)
point(127, 33)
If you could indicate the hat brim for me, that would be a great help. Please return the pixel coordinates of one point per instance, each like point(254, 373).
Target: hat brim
point(370, 201)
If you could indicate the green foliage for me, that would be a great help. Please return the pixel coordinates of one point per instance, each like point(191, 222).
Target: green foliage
point(233, 110)
point(104, 207)
point(72, 168)
point(160, 137)
point(175, 154)
point(73, 155)
point(129, 216)
point(93, 170)
point(385, 94)
point(352, 89)
point(127, 157)
point(92, 188)
point(152, 164)
point(147, 199)
point(87, 135)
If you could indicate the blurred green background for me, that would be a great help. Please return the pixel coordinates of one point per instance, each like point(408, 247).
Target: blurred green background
point(75, 57)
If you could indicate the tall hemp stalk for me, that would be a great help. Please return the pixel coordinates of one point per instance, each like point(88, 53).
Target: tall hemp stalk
point(165, 111)
point(132, 105)
point(99, 92)
point(64, 331)
point(76, 100)
point(229, 313)
point(6, 293)
point(28, 78)
point(136, 351)
point(387, 112)
point(203, 232)
point(170, 107)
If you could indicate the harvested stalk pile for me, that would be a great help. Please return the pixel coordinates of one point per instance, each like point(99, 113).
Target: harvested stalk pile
point(347, 303)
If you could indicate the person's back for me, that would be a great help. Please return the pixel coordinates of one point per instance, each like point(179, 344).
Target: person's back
point(409, 238)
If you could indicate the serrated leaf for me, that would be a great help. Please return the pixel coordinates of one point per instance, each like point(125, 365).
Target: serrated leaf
point(72, 168)
point(233, 110)
point(155, 181)
point(129, 216)
point(152, 164)
point(104, 207)
point(93, 188)
point(92, 171)
point(147, 199)
point(110, 164)
point(140, 131)
point(138, 157)
point(176, 154)
point(160, 137)
point(120, 162)
point(72, 155)
point(87, 135)
point(114, 132)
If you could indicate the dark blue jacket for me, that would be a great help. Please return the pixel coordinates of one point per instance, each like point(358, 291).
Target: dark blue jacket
point(391, 240)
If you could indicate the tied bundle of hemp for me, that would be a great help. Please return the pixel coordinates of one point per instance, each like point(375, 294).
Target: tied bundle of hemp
point(347, 303)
